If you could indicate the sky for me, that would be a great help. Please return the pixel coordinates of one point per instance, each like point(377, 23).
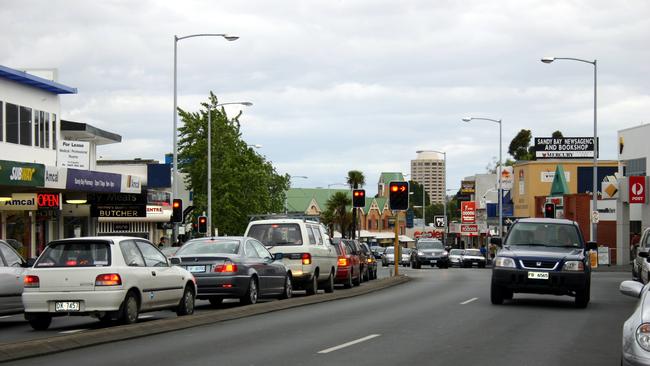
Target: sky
point(344, 85)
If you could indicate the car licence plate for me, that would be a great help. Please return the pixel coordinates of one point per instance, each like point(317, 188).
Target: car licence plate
point(196, 269)
point(538, 275)
point(434, 261)
point(66, 306)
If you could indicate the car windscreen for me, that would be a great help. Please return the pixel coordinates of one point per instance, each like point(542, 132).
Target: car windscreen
point(276, 234)
point(75, 254)
point(430, 245)
point(473, 252)
point(456, 252)
point(198, 247)
point(389, 250)
point(544, 234)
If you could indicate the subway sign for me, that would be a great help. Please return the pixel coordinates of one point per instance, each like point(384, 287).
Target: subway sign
point(49, 200)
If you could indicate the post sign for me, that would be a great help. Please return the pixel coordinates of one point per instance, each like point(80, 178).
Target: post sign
point(468, 212)
point(637, 189)
point(564, 148)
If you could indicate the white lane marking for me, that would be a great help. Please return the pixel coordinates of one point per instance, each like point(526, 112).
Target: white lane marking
point(145, 316)
point(72, 331)
point(348, 344)
point(468, 301)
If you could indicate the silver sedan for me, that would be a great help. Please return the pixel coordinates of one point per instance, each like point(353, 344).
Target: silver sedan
point(636, 329)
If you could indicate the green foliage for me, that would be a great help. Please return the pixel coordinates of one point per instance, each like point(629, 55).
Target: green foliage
point(520, 147)
point(338, 211)
point(243, 182)
point(356, 179)
point(557, 135)
point(416, 198)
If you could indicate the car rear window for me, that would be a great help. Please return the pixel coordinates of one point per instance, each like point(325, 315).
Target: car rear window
point(276, 234)
point(209, 247)
point(473, 252)
point(75, 254)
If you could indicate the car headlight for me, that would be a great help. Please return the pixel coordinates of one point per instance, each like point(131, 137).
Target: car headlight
point(420, 253)
point(643, 336)
point(573, 266)
point(505, 262)
point(445, 253)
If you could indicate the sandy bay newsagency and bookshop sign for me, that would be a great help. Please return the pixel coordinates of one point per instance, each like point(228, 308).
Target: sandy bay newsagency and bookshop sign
point(564, 148)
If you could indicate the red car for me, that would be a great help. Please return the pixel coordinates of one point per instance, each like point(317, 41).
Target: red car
point(349, 263)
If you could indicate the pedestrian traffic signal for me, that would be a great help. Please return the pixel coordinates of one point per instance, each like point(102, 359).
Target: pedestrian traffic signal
point(203, 224)
point(177, 210)
point(398, 195)
point(358, 198)
point(549, 210)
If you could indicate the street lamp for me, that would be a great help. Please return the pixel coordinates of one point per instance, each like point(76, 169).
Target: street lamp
point(444, 153)
point(248, 104)
point(175, 147)
point(499, 191)
point(334, 184)
point(548, 60)
point(286, 195)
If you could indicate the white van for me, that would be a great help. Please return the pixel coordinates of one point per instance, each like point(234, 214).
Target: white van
point(306, 250)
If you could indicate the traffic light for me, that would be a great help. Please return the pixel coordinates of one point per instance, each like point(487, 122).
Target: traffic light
point(549, 210)
point(177, 210)
point(359, 198)
point(203, 224)
point(398, 195)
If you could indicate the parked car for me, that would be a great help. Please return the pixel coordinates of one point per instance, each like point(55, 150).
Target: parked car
point(406, 256)
point(472, 257)
point(377, 251)
point(306, 250)
point(542, 256)
point(454, 257)
point(348, 271)
point(371, 263)
point(388, 257)
point(636, 329)
point(640, 265)
point(106, 277)
point(12, 269)
point(234, 267)
point(169, 251)
point(429, 252)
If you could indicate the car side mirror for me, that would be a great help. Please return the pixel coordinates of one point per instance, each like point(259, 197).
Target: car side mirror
point(175, 261)
point(30, 263)
point(592, 245)
point(277, 256)
point(496, 240)
point(631, 288)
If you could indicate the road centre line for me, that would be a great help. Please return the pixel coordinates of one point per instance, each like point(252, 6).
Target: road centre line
point(468, 301)
point(72, 331)
point(335, 348)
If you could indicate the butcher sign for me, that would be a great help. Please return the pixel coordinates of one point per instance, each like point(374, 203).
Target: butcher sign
point(468, 212)
point(637, 189)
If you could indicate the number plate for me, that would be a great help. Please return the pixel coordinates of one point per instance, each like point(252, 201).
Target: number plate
point(196, 269)
point(538, 275)
point(66, 306)
point(434, 261)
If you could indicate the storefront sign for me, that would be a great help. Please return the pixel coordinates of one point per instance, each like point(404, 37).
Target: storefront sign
point(92, 181)
point(468, 212)
point(20, 202)
point(122, 211)
point(637, 189)
point(427, 234)
point(121, 226)
point(55, 177)
point(469, 229)
point(117, 199)
point(547, 177)
point(564, 148)
point(159, 198)
point(467, 187)
point(73, 154)
point(507, 178)
point(49, 200)
point(13, 173)
point(130, 184)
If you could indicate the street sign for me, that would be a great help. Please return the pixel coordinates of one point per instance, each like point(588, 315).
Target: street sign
point(468, 212)
point(637, 189)
point(439, 221)
point(595, 217)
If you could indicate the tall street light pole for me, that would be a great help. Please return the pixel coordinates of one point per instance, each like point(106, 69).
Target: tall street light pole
point(444, 153)
point(548, 60)
point(248, 104)
point(175, 142)
point(286, 208)
point(500, 167)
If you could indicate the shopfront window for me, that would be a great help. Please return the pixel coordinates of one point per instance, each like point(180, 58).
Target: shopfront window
point(75, 227)
point(19, 229)
point(25, 126)
point(12, 123)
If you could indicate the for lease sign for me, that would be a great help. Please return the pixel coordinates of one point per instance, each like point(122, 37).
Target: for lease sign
point(468, 212)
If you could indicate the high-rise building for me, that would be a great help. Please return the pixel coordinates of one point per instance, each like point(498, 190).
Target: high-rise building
point(428, 169)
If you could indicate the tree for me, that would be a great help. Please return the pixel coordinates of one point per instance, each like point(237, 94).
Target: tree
point(416, 198)
point(491, 168)
point(520, 147)
point(356, 180)
point(338, 206)
point(557, 135)
point(243, 182)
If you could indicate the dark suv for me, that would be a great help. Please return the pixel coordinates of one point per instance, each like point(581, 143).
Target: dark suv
point(542, 256)
point(429, 252)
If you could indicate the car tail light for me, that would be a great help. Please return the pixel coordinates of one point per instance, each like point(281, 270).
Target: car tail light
point(71, 262)
point(306, 258)
point(226, 267)
point(30, 281)
point(343, 262)
point(108, 279)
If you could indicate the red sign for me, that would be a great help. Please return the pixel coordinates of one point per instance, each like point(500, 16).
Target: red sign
point(469, 229)
point(428, 234)
point(49, 200)
point(468, 212)
point(637, 189)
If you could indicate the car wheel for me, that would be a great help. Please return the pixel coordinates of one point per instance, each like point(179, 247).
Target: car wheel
point(496, 294)
point(130, 309)
point(215, 301)
point(366, 276)
point(250, 297)
point(40, 321)
point(288, 288)
point(357, 280)
point(329, 287)
point(582, 297)
point(312, 288)
point(186, 305)
point(348, 281)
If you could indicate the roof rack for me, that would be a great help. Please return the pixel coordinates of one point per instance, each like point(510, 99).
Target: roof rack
point(298, 216)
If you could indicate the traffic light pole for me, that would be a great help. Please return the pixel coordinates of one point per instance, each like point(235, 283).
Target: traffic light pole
point(397, 254)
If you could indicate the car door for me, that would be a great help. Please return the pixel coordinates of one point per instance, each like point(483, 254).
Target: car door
point(11, 279)
point(166, 283)
point(139, 274)
point(253, 260)
point(274, 271)
point(323, 254)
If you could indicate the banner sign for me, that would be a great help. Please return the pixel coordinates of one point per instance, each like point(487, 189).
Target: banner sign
point(468, 212)
point(92, 181)
point(73, 154)
point(14, 173)
point(637, 189)
point(564, 148)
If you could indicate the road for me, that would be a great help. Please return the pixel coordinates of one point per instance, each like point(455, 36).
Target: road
point(441, 317)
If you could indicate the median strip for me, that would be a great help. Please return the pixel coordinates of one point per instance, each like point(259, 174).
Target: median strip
point(61, 343)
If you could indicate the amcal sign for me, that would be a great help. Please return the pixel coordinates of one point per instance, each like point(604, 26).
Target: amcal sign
point(468, 212)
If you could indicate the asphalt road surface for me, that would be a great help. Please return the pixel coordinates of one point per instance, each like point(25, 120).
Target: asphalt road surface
point(442, 317)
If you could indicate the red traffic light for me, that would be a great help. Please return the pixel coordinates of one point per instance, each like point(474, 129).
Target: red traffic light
point(358, 198)
point(394, 188)
point(176, 204)
point(398, 198)
point(203, 220)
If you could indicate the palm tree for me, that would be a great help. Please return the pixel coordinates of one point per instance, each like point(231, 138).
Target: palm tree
point(338, 204)
point(355, 180)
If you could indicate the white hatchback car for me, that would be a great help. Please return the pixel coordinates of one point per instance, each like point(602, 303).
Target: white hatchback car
point(106, 277)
